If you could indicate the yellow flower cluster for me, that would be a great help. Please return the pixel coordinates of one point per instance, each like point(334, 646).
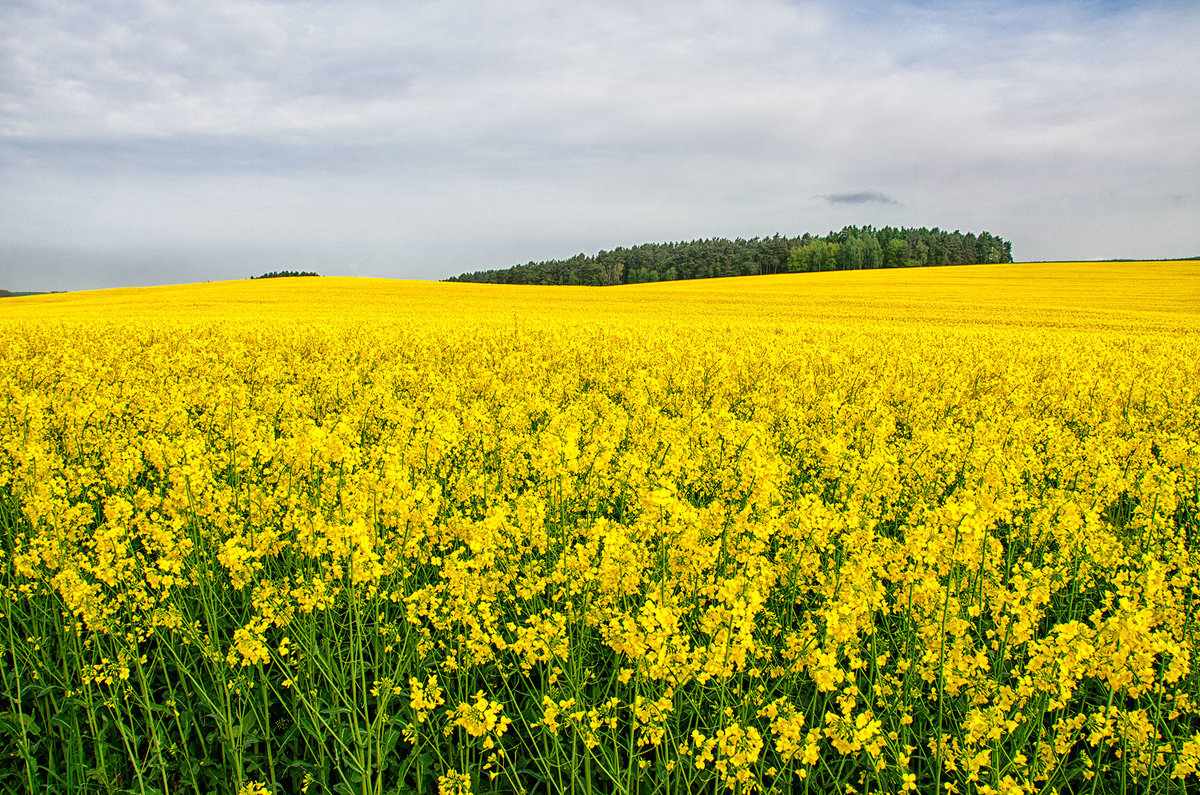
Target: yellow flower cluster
point(754, 524)
point(425, 697)
point(454, 783)
point(480, 718)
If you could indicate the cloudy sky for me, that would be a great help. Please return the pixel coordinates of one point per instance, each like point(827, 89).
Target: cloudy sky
point(161, 141)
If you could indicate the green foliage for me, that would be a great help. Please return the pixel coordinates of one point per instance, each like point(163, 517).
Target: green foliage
point(816, 255)
point(284, 274)
point(853, 248)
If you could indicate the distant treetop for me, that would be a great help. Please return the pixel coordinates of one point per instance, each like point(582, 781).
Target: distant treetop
point(853, 248)
point(281, 274)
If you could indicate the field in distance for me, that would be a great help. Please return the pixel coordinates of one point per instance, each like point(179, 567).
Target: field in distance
point(1035, 293)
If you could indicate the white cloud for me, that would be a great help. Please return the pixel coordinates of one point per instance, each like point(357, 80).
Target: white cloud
point(426, 138)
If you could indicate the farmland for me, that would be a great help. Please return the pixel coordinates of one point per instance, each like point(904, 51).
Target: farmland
point(930, 530)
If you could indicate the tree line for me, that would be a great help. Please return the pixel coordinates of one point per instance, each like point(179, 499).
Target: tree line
point(852, 248)
point(284, 274)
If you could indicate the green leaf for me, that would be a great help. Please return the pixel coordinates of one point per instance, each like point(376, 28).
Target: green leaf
point(18, 725)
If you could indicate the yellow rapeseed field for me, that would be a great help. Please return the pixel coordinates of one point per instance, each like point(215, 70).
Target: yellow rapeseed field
point(931, 530)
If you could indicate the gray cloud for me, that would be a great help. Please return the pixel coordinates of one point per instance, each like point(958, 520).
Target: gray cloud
point(859, 197)
point(421, 139)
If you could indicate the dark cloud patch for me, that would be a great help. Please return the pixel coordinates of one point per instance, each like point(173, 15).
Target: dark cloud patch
point(859, 197)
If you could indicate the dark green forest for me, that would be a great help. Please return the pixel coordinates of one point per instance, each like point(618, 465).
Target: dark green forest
point(853, 248)
point(284, 274)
